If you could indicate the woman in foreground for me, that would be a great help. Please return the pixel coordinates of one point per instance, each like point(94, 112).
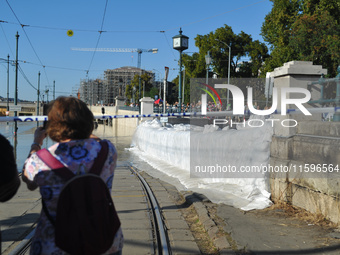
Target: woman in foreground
point(70, 125)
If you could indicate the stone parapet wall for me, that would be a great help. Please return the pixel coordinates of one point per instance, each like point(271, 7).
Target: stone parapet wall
point(125, 126)
point(309, 153)
point(312, 158)
point(97, 110)
point(120, 126)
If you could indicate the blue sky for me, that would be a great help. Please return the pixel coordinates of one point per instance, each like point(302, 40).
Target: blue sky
point(44, 41)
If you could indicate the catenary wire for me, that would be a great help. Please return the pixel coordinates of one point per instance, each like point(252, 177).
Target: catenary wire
point(8, 44)
point(36, 54)
point(82, 30)
point(100, 34)
point(56, 67)
point(25, 77)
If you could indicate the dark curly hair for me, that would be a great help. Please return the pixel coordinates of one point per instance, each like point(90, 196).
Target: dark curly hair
point(69, 118)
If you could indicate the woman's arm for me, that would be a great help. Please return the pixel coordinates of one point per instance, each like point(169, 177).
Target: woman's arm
point(39, 136)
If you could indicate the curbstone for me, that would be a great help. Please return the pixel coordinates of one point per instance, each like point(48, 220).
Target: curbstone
point(213, 231)
point(222, 243)
point(210, 226)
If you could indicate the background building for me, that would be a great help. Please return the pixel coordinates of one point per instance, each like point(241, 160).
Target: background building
point(92, 91)
point(113, 85)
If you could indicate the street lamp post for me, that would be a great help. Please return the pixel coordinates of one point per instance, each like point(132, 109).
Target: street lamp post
point(160, 84)
point(228, 68)
point(180, 43)
point(38, 93)
point(208, 62)
point(165, 83)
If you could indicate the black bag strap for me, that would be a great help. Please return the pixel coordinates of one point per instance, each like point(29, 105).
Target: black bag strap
point(47, 213)
point(61, 170)
point(100, 159)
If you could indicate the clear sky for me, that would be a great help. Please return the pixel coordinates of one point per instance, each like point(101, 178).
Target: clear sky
point(45, 46)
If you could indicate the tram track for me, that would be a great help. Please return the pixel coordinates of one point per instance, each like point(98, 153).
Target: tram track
point(23, 247)
point(163, 246)
point(159, 230)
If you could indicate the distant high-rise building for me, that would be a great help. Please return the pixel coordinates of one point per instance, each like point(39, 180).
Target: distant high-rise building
point(104, 91)
point(117, 80)
point(92, 91)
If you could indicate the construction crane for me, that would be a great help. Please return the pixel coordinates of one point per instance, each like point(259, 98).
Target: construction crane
point(139, 51)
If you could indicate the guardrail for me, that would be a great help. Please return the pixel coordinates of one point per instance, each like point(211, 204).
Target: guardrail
point(184, 114)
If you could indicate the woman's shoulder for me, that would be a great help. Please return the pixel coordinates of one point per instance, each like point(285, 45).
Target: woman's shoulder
point(77, 149)
point(111, 145)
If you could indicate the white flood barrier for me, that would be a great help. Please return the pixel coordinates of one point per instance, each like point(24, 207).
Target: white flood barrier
point(202, 159)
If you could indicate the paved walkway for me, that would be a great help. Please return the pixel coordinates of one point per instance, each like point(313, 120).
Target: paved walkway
point(133, 210)
point(274, 231)
point(277, 231)
point(232, 231)
point(19, 215)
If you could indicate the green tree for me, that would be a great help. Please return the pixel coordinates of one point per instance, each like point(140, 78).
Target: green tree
point(217, 42)
point(152, 92)
point(303, 30)
point(242, 46)
point(145, 80)
point(316, 38)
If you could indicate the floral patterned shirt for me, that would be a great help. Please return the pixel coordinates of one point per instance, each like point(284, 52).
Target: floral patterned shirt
point(78, 156)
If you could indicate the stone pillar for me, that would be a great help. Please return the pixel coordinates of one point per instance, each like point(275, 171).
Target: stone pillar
point(120, 101)
point(296, 74)
point(146, 106)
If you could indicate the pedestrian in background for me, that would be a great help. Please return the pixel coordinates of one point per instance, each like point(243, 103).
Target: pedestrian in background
point(9, 176)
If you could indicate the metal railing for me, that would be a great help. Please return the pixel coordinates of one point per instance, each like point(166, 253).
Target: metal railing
point(322, 82)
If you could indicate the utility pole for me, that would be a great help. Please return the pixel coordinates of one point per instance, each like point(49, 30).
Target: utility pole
point(139, 78)
point(53, 90)
point(165, 82)
point(7, 82)
point(46, 91)
point(164, 96)
point(38, 92)
point(183, 86)
point(16, 82)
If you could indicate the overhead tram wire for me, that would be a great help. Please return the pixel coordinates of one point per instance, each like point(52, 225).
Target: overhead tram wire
point(128, 31)
point(56, 67)
point(167, 41)
point(25, 77)
point(36, 54)
point(82, 30)
point(8, 44)
point(100, 34)
point(27, 62)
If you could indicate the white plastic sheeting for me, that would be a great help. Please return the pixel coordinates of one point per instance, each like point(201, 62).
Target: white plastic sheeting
point(177, 150)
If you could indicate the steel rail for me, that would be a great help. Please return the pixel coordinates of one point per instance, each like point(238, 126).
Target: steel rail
point(164, 246)
point(23, 247)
